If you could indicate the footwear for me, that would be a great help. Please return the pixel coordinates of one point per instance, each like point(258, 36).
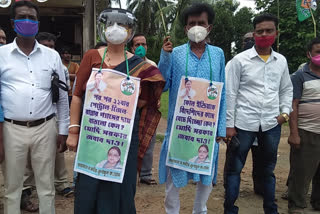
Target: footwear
point(66, 192)
point(148, 181)
point(26, 204)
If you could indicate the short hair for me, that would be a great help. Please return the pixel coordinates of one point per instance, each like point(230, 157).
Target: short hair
point(21, 4)
point(136, 35)
point(313, 42)
point(204, 146)
point(115, 148)
point(46, 36)
point(196, 9)
point(65, 49)
point(263, 18)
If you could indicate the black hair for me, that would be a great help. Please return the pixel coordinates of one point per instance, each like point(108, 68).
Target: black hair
point(196, 9)
point(100, 44)
point(265, 17)
point(313, 42)
point(205, 146)
point(186, 81)
point(136, 35)
point(21, 4)
point(115, 148)
point(46, 36)
point(65, 49)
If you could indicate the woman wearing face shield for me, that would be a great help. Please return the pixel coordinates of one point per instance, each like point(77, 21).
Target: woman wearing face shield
point(93, 196)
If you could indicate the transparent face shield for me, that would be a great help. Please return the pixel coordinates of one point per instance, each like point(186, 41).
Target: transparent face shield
point(121, 19)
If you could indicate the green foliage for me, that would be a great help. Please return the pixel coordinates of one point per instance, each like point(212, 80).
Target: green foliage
point(164, 104)
point(230, 24)
point(242, 25)
point(294, 35)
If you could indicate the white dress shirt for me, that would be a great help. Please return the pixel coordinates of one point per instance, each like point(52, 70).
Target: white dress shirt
point(257, 91)
point(26, 84)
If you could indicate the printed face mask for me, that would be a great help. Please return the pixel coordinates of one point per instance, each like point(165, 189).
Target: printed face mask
point(315, 59)
point(116, 34)
point(26, 27)
point(140, 51)
point(197, 33)
point(264, 41)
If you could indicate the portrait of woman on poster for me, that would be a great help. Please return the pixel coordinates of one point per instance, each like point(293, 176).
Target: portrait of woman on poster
point(97, 85)
point(187, 93)
point(203, 155)
point(113, 160)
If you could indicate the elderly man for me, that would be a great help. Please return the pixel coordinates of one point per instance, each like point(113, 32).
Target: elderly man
point(198, 20)
point(30, 126)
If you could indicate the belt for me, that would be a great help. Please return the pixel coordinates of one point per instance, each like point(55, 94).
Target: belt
point(31, 123)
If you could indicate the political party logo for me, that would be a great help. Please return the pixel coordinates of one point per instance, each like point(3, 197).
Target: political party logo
point(212, 92)
point(127, 87)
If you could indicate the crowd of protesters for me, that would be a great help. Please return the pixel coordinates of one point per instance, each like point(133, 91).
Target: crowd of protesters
point(40, 120)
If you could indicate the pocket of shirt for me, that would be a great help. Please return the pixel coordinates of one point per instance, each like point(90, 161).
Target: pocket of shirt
point(273, 80)
point(44, 81)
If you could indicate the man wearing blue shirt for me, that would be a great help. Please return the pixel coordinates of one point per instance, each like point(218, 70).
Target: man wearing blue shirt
point(198, 20)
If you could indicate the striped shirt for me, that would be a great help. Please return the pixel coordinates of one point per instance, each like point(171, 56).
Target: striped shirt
point(306, 88)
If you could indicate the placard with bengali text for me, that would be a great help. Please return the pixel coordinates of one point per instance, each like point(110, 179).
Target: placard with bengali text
point(107, 123)
point(194, 126)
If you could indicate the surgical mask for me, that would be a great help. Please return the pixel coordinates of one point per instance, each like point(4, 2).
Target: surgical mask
point(315, 59)
point(197, 33)
point(140, 51)
point(264, 41)
point(116, 34)
point(26, 27)
point(1, 45)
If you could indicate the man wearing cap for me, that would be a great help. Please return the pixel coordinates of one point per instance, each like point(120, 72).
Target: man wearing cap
point(30, 126)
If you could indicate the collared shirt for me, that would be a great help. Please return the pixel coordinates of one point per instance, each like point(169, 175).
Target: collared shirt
point(257, 91)
point(26, 84)
point(306, 88)
point(173, 67)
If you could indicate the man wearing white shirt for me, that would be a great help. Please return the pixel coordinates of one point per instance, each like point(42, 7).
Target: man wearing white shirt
point(30, 125)
point(260, 96)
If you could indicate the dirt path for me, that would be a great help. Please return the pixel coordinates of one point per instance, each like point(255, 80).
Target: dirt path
point(149, 199)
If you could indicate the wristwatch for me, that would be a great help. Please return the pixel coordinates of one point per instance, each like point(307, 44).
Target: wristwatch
point(285, 116)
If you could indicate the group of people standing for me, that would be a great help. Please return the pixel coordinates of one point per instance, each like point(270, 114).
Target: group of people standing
point(258, 97)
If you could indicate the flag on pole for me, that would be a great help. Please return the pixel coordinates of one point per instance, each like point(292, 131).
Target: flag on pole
point(303, 8)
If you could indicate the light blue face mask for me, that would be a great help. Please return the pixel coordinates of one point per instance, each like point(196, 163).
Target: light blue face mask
point(140, 51)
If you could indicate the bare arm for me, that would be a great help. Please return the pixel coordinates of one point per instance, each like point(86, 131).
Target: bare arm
point(75, 111)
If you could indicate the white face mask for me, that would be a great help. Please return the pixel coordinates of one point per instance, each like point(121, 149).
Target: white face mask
point(197, 33)
point(116, 34)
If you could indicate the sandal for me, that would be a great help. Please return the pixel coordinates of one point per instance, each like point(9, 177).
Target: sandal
point(148, 181)
point(27, 205)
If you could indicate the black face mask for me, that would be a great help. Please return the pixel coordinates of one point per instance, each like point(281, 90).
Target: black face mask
point(248, 43)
